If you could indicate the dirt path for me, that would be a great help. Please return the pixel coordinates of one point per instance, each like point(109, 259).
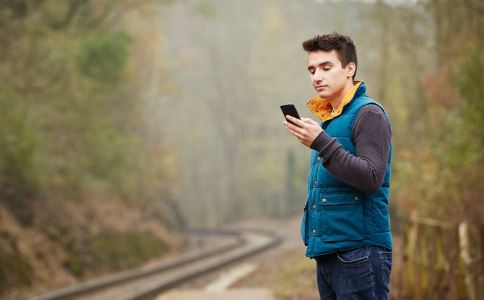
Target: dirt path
point(280, 273)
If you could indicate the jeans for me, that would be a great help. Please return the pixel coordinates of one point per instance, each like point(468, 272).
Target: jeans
point(361, 273)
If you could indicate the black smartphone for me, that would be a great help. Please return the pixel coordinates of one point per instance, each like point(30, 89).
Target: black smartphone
point(290, 109)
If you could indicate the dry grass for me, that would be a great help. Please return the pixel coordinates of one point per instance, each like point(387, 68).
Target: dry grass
point(289, 274)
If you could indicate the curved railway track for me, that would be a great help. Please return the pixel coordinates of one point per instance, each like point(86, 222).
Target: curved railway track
point(147, 283)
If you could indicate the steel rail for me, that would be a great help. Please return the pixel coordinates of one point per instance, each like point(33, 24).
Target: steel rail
point(232, 241)
point(149, 292)
point(238, 245)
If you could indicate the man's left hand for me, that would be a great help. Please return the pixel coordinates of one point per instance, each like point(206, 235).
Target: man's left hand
point(306, 130)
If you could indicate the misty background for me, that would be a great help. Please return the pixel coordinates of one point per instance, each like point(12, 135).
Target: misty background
point(131, 121)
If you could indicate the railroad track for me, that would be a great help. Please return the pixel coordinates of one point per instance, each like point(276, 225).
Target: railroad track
point(147, 283)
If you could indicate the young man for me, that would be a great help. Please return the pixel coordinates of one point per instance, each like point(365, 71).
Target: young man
point(346, 223)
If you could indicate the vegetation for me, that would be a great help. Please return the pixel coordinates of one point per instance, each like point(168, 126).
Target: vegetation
point(70, 138)
point(123, 120)
point(114, 251)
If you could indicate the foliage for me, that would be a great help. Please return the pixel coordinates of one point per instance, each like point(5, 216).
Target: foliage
point(70, 131)
point(463, 140)
point(103, 57)
point(123, 102)
point(15, 269)
point(455, 117)
point(63, 117)
point(110, 251)
point(20, 168)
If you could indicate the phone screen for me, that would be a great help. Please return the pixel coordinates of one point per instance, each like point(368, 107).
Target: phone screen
point(290, 109)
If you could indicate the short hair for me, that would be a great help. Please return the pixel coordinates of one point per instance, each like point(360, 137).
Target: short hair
point(342, 44)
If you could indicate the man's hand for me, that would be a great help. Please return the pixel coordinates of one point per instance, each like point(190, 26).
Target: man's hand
point(306, 130)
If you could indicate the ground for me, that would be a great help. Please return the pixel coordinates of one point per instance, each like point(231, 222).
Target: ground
point(281, 273)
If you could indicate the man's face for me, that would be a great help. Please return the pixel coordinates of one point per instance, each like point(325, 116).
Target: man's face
point(327, 75)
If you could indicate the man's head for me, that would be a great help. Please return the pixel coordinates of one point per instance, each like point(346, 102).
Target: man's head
point(332, 63)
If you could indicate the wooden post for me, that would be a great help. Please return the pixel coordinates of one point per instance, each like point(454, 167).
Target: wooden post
point(471, 273)
point(402, 280)
point(441, 236)
point(411, 276)
point(426, 241)
point(481, 242)
point(431, 268)
point(417, 258)
point(452, 261)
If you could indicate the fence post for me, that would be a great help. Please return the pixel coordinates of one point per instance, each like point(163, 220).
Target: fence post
point(402, 280)
point(418, 266)
point(461, 247)
point(481, 242)
point(410, 254)
point(471, 273)
point(431, 267)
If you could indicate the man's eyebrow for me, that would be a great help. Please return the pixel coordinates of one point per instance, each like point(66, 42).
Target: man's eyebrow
point(321, 64)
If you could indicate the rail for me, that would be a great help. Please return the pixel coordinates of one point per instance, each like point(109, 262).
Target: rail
point(145, 283)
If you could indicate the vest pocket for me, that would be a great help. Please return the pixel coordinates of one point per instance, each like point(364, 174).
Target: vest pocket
point(342, 217)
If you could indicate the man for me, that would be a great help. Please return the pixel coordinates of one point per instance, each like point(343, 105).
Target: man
point(346, 223)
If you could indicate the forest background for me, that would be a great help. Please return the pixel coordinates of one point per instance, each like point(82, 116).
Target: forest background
point(123, 123)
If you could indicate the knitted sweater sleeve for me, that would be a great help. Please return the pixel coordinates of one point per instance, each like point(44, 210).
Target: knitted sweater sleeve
point(364, 171)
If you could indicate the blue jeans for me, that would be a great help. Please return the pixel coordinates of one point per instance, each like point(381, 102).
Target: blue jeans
point(361, 273)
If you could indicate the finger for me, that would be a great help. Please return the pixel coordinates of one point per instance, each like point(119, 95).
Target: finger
point(295, 128)
point(295, 133)
point(296, 121)
point(310, 121)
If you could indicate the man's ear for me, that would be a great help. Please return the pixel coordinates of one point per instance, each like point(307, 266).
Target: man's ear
point(350, 69)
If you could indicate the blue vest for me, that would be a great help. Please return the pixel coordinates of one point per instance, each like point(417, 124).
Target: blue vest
point(336, 215)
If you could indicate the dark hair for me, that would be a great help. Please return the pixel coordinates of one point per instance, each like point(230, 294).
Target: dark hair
point(334, 41)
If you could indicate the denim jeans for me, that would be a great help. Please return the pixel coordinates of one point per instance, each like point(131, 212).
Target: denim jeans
point(361, 273)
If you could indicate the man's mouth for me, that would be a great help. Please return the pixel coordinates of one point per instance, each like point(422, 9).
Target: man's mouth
point(318, 87)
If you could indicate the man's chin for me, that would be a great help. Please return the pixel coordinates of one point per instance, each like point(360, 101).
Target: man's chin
point(323, 95)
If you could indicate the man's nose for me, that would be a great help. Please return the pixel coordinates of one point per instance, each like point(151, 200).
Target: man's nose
point(318, 76)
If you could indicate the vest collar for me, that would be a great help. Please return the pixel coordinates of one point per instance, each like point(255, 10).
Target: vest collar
point(322, 108)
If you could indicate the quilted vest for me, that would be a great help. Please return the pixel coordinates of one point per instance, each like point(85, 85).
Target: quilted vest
point(336, 215)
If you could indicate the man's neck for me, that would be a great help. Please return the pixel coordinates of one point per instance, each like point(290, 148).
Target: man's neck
point(338, 97)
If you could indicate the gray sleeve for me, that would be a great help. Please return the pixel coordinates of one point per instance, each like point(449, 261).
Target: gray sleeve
point(365, 170)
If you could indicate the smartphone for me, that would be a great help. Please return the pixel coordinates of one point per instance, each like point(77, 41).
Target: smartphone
point(290, 109)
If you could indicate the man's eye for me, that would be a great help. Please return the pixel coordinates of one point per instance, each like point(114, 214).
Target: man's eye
point(327, 69)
